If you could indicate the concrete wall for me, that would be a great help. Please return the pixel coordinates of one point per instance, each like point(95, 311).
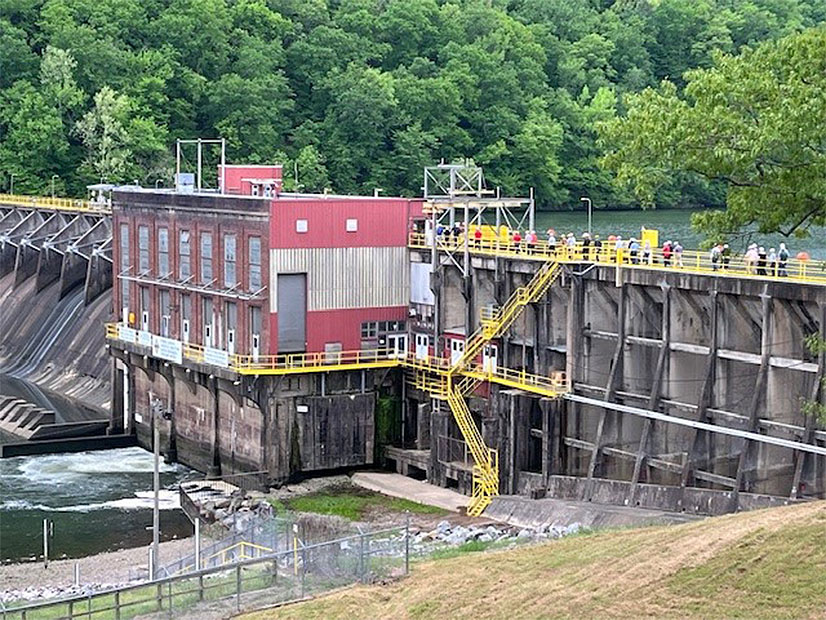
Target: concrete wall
point(724, 351)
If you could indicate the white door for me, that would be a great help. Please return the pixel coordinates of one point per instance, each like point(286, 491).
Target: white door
point(490, 353)
point(185, 331)
point(397, 345)
point(421, 346)
point(457, 347)
point(256, 346)
point(231, 341)
point(208, 335)
point(165, 325)
point(145, 320)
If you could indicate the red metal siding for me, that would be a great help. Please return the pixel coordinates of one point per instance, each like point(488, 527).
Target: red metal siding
point(344, 326)
point(382, 222)
point(234, 184)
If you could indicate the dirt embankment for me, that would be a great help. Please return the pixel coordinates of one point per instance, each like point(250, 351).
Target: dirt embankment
point(764, 564)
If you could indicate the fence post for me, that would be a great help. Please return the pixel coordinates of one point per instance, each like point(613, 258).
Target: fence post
point(361, 555)
point(117, 605)
point(238, 588)
point(407, 544)
point(169, 597)
point(200, 587)
point(303, 569)
point(159, 595)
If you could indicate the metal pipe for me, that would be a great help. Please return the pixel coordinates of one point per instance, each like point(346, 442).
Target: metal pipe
point(704, 426)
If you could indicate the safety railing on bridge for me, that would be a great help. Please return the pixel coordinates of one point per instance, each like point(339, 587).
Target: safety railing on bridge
point(810, 271)
point(55, 204)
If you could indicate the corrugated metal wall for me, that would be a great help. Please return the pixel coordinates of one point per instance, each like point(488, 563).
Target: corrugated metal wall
point(366, 277)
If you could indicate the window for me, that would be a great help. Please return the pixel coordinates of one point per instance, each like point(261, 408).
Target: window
point(184, 256)
point(370, 329)
point(163, 252)
point(143, 249)
point(352, 225)
point(165, 312)
point(124, 247)
point(124, 299)
point(301, 226)
point(230, 272)
point(255, 263)
point(206, 258)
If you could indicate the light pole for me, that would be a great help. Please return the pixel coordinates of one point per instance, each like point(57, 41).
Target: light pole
point(54, 176)
point(588, 200)
point(158, 413)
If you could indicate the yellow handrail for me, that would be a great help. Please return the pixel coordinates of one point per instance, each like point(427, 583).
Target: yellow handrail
point(689, 261)
point(57, 204)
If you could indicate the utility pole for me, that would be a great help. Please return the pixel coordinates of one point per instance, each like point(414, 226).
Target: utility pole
point(158, 413)
point(156, 485)
point(588, 200)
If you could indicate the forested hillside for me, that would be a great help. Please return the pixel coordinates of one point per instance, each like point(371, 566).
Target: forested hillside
point(358, 93)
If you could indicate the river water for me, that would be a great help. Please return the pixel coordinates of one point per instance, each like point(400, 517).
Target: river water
point(674, 224)
point(98, 501)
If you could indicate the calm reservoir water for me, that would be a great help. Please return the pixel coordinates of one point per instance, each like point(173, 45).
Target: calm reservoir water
point(673, 224)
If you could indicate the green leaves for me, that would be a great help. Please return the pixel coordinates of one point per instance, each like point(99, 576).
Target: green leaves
point(362, 93)
point(752, 122)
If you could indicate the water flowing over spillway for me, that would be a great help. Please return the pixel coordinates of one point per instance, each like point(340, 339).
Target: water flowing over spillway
point(98, 501)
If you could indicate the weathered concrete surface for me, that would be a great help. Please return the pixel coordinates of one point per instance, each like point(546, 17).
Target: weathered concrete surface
point(56, 342)
point(532, 513)
point(397, 485)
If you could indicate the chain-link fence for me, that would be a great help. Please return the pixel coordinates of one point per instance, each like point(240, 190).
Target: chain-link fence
point(301, 571)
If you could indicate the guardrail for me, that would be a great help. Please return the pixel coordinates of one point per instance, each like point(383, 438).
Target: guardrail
point(689, 261)
point(55, 204)
point(303, 571)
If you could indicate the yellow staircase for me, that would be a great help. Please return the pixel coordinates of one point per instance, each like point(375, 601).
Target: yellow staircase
point(494, 323)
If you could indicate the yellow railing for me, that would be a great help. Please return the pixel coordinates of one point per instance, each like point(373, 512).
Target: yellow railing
point(493, 324)
point(237, 552)
point(693, 261)
point(56, 204)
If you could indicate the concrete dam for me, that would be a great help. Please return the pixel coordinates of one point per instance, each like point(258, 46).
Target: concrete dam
point(283, 334)
point(55, 272)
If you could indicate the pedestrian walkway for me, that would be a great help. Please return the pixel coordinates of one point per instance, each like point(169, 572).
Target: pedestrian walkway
point(687, 261)
point(403, 487)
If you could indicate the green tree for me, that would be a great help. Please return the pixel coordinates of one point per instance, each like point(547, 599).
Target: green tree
point(753, 122)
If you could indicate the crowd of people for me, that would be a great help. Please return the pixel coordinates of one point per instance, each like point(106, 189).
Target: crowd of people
point(756, 260)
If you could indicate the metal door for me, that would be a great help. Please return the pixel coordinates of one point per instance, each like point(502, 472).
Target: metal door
point(292, 312)
point(421, 346)
point(490, 355)
point(231, 341)
point(457, 347)
point(397, 345)
point(185, 331)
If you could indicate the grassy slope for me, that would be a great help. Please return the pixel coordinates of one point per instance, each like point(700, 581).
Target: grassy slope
point(763, 564)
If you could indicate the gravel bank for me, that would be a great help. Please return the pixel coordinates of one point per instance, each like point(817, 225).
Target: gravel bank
point(116, 567)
